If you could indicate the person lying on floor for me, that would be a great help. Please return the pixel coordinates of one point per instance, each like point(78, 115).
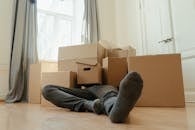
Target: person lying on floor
point(100, 99)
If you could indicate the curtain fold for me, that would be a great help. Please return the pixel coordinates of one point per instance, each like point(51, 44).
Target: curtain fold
point(23, 49)
point(90, 20)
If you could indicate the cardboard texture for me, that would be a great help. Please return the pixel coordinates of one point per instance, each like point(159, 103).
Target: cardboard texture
point(64, 79)
point(34, 83)
point(67, 65)
point(81, 51)
point(68, 55)
point(71, 65)
point(118, 52)
point(114, 70)
point(34, 91)
point(163, 81)
point(89, 73)
point(131, 50)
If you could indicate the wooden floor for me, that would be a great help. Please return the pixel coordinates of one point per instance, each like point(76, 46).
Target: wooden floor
point(35, 117)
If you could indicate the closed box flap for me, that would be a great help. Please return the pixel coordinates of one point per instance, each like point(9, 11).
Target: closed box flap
point(80, 51)
point(87, 62)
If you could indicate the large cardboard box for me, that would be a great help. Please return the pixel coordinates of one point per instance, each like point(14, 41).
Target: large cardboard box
point(34, 91)
point(114, 70)
point(68, 55)
point(89, 72)
point(163, 81)
point(63, 79)
point(121, 52)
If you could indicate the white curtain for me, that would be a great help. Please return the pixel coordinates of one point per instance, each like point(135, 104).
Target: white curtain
point(59, 24)
point(90, 22)
point(23, 49)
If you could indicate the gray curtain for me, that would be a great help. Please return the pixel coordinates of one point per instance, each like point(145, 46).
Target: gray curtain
point(90, 27)
point(23, 49)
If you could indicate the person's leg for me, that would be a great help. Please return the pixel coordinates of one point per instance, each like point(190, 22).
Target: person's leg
point(73, 99)
point(130, 88)
point(117, 105)
point(104, 92)
point(100, 91)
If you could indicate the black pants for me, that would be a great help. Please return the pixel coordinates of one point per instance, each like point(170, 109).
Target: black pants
point(74, 98)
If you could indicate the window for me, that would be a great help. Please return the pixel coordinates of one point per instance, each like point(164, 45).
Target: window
point(59, 24)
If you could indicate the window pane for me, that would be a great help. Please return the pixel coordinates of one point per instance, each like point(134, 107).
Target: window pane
point(60, 6)
point(53, 32)
point(59, 24)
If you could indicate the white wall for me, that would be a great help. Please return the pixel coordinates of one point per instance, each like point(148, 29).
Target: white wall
point(122, 22)
point(107, 21)
point(119, 22)
point(184, 24)
point(5, 40)
point(127, 22)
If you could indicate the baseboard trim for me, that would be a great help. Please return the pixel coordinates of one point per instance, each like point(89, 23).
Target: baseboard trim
point(190, 96)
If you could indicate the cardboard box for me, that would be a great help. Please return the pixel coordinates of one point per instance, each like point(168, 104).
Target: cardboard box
point(163, 81)
point(89, 72)
point(67, 65)
point(71, 65)
point(119, 52)
point(69, 54)
point(64, 79)
point(34, 91)
point(114, 70)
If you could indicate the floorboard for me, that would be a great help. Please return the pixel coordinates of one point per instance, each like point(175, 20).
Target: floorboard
point(23, 116)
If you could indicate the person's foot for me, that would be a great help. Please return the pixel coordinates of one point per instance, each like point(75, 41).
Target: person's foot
point(129, 92)
point(94, 106)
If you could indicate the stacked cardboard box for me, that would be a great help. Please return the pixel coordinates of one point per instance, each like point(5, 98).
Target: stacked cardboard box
point(45, 73)
point(121, 52)
point(84, 59)
point(64, 79)
point(35, 77)
point(115, 65)
point(72, 59)
point(68, 56)
point(114, 70)
point(162, 76)
point(89, 73)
